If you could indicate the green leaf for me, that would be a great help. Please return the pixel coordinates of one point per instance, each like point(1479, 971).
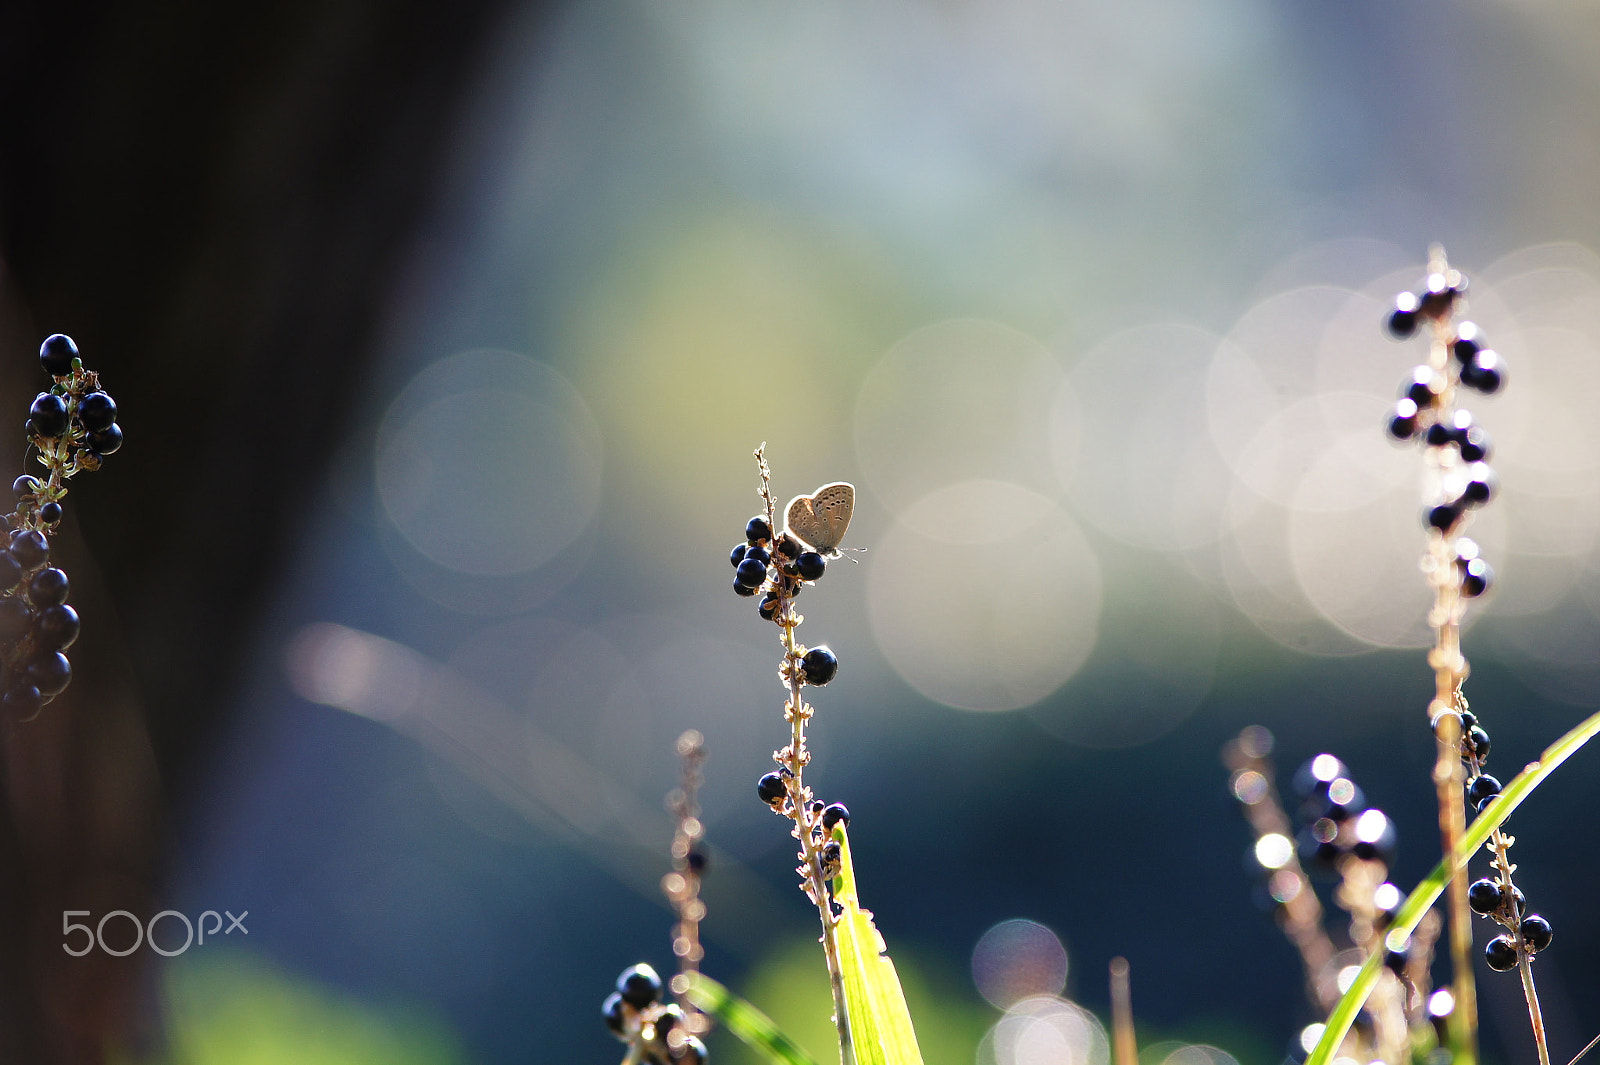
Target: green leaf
point(746, 1022)
point(1419, 901)
point(880, 1024)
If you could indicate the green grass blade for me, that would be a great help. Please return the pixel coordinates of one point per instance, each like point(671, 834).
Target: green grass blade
point(880, 1024)
point(754, 1028)
point(1427, 892)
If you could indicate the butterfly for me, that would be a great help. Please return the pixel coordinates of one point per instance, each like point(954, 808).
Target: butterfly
point(820, 519)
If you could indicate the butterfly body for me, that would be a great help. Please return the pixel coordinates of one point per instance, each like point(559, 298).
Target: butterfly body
point(821, 518)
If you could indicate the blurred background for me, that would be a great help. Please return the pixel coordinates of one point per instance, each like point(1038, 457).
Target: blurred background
point(443, 335)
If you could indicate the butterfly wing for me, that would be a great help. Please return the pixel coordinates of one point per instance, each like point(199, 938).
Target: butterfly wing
point(821, 518)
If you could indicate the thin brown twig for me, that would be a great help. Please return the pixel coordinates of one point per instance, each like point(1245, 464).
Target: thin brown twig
point(1122, 1034)
point(1301, 912)
point(1450, 670)
point(682, 884)
point(794, 758)
point(1500, 843)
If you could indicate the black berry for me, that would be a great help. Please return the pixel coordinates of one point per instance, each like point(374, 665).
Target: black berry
point(745, 590)
point(757, 554)
point(24, 486)
point(55, 628)
point(768, 608)
point(639, 986)
point(1377, 838)
point(48, 587)
point(56, 354)
point(1403, 421)
point(1474, 443)
point(105, 441)
point(788, 547)
point(751, 573)
point(611, 1010)
point(1395, 961)
point(23, 701)
point(10, 572)
point(757, 531)
point(1485, 373)
point(696, 861)
point(1438, 296)
point(819, 665)
point(771, 789)
point(1484, 896)
point(835, 814)
point(1480, 742)
point(1501, 954)
point(1468, 342)
point(1443, 516)
point(669, 1017)
point(1483, 803)
point(737, 555)
point(1476, 577)
point(1482, 787)
point(50, 513)
point(1480, 489)
point(97, 411)
point(30, 548)
point(810, 566)
point(1402, 321)
point(50, 673)
point(49, 415)
point(15, 618)
point(1536, 932)
point(1312, 779)
point(1419, 389)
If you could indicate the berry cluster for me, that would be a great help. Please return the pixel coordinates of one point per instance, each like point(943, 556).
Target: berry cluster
point(72, 427)
point(1529, 932)
point(1343, 836)
point(779, 567)
point(1426, 410)
point(1498, 898)
point(655, 1031)
point(1336, 823)
point(1461, 480)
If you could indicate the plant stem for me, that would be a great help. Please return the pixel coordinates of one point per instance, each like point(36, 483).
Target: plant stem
point(1122, 1034)
point(1525, 964)
point(1500, 843)
point(794, 758)
point(798, 713)
point(1450, 670)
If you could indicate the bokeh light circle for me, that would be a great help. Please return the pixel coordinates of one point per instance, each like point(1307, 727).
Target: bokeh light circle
point(1018, 959)
point(1045, 1030)
point(989, 598)
point(1199, 1054)
point(489, 463)
point(1147, 472)
point(953, 401)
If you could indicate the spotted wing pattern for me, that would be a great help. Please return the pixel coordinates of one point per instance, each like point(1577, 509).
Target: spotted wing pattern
point(821, 518)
